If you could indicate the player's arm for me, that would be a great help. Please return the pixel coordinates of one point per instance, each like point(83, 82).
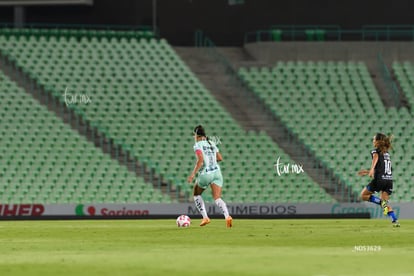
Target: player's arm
point(219, 158)
point(198, 165)
point(363, 172)
point(373, 164)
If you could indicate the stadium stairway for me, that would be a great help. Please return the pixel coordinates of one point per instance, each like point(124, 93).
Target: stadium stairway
point(221, 85)
point(215, 70)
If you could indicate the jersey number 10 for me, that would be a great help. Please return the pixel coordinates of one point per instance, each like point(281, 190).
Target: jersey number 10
point(387, 167)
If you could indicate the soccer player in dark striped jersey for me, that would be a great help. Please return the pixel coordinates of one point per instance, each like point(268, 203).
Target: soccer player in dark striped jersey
point(381, 174)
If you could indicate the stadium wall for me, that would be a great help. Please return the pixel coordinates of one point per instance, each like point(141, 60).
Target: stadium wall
point(157, 210)
point(223, 23)
point(272, 52)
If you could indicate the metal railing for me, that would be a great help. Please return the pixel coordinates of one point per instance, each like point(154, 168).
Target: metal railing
point(331, 33)
point(202, 41)
point(389, 32)
point(77, 29)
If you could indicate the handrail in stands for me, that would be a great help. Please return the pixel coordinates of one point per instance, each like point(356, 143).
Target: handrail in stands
point(331, 33)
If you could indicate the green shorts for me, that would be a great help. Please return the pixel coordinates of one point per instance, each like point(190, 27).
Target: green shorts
point(204, 180)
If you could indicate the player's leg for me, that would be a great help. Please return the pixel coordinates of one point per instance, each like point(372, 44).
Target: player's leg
point(384, 202)
point(216, 188)
point(385, 196)
point(199, 203)
point(197, 190)
point(367, 194)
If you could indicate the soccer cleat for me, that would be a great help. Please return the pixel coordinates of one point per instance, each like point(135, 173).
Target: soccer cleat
point(396, 224)
point(384, 206)
point(204, 221)
point(385, 210)
point(229, 222)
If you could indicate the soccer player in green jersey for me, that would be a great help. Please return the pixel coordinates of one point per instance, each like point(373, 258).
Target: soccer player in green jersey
point(208, 174)
point(381, 175)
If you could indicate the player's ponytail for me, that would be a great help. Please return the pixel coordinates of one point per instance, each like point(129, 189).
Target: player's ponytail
point(208, 141)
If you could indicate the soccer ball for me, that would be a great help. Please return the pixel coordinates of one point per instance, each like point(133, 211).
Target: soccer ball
point(183, 221)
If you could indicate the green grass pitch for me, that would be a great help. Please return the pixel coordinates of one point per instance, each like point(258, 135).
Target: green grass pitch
point(251, 247)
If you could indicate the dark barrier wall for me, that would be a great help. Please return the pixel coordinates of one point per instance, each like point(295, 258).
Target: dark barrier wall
point(224, 23)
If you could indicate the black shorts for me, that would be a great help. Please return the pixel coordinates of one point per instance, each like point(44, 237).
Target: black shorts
point(377, 185)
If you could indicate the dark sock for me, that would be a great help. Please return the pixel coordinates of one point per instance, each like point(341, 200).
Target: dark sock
point(375, 200)
point(392, 215)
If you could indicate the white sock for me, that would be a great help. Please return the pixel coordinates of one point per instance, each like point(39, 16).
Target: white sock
point(199, 203)
point(220, 203)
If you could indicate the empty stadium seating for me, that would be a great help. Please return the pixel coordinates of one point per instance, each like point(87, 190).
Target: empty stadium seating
point(334, 109)
point(44, 161)
point(144, 97)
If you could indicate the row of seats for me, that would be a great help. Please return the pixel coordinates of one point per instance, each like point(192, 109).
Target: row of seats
point(44, 160)
point(47, 33)
point(165, 112)
point(336, 118)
